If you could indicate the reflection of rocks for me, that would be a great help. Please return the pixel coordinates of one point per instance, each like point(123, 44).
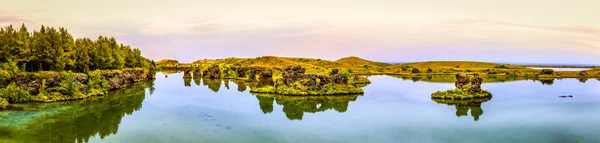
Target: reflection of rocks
point(547, 81)
point(547, 71)
point(294, 107)
point(187, 74)
point(242, 86)
point(212, 72)
point(213, 84)
point(415, 78)
point(187, 82)
point(197, 80)
point(463, 106)
point(583, 80)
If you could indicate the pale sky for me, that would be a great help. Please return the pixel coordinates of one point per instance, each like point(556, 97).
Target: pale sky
point(532, 31)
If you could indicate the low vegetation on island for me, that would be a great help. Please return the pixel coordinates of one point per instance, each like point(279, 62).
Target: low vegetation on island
point(465, 89)
point(50, 65)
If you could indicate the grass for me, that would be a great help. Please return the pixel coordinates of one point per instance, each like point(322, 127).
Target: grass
point(359, 66)
point(330, 89)
point(457, 93)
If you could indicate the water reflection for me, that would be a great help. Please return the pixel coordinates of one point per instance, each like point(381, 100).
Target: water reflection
point(187, 82)
point(547, 81)
point(197, 80)
point(294, 107)
point(74, 121)
point(463, 106)
point(213, 84)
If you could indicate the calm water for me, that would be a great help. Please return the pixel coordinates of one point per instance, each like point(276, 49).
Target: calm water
point(562, 69)
point(391, 110)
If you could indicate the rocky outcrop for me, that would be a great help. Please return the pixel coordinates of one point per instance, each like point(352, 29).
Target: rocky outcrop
point(429, 70)
point(292, 74)
point(475, 84)
point(212, 72)
point(583, 73)
point(116, 79)
point(415, 70)
point(334, 72)
point(547, 71)
point(266, 78)
point(461, 80)
point(252, 76)
point(241, 72)
point(197, 73)
point(187, 73)
point(339, 78)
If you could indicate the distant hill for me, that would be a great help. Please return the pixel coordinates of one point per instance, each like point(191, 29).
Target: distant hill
point(167, 62)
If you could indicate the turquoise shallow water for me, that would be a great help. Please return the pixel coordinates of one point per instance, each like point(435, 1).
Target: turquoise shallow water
point(391, 110)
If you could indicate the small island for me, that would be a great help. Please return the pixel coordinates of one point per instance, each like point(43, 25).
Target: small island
point(294, 81)
point(465, 89)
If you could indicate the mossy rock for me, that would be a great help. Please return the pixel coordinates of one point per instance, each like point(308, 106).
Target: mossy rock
point(460, 94)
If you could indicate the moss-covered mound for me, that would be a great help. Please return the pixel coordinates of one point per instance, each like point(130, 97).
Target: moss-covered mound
point(330, 89)
point(460, 94)
point(3, 103)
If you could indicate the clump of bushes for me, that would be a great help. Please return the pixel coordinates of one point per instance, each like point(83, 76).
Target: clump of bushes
point(15, 94)
point(458, 93)
point(3, 103)
point(97, 85)
point(68, 84)
point(492, 71)
point(501, 67)
point(331, 89)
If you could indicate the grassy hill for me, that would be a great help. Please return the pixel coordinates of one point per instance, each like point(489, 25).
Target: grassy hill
point(356, 65)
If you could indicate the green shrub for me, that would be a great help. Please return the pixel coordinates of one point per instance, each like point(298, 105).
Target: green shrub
point(97, 85)
point(11, 67)
point(3, 103)
point(15, 94)
point(68, 84)
point(4, 78)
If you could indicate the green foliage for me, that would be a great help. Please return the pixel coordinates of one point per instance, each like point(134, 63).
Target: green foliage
point(56, 50)
point(460, 94)
point(42, 90)
point(330, 89)
point(15, 94)
point(68, 84)
point(97, 85)
point(4, 78)
point(3, 103)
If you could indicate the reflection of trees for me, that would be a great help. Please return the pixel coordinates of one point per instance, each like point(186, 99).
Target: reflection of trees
point(294, 107)
point(76, 121)
point(213, 84)
point(463, 106)
point(547, 81)
point(451, 78)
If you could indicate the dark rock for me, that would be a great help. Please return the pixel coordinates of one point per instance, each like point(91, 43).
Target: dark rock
point(197, 73)
point(252, 76)
point(461, 80)
point(415, 70)
point(583, 73)
point(547, 71)
point(266, 79)
point(292, 74)
point(566, 96)
point(212, 72)
point(334, 72)
point(429, 70)
point(339, 78)
point(241, 72)
point(475, 84)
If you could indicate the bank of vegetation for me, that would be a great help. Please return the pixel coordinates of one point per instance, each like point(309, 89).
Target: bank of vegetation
point(48, 64)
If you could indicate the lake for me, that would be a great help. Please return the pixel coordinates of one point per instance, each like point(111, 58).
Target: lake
point(391, 110)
